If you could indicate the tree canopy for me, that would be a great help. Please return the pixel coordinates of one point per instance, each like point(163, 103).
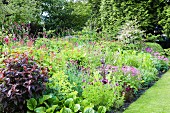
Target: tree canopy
point(107, 15)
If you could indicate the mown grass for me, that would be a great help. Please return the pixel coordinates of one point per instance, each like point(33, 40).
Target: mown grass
point(154, 100)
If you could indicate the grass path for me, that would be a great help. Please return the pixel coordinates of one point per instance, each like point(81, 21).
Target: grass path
point(154, 100)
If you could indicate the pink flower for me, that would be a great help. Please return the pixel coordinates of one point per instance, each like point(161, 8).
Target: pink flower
point(165, 59)
point(156, 54)
point(6, 39)
point(132, 70)
point(14, 38)
point(149, 50)
point(114, 68)
point(161, 57)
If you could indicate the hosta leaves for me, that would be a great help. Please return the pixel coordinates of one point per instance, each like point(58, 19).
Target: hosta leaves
point(76, 107)
point(40, 110)
point(88, 110)
point(51, 109)
point(102, 109)
point(66, 110)
point(31, 104)
point(68, 102)
point(53, 100)
point(44, 98)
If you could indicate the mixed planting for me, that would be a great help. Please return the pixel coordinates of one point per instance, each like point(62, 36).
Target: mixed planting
point(74, 74)
point(56, 59)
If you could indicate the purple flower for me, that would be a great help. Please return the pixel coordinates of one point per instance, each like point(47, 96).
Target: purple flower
point(28, 25)
point(148, 49)
point(117, 84)
point(105, 81)
point(83, 80)
point(128, 89)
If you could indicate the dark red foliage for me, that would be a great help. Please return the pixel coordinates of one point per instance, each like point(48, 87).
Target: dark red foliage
point(22, 80)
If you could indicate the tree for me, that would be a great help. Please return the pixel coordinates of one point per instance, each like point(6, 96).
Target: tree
point(113, 13)
point(63, 14)
point(165, 21)
point(110, 16)
point(81, 12)
point(19, 11)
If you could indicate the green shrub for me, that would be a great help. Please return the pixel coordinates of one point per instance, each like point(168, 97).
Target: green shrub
point(167, 52)
point(155, 47)
point(75, 76)
point(101, 94)
point(131, 46)
point(161, 62)
point(19, 11)
point(152, 38)
point(141, 60)
point(165, 21)
point(111, 14)
point(59, 85)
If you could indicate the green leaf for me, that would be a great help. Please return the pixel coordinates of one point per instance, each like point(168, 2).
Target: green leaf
point(88, 110)
point(40, 110)
point(76, 107)
point(102, 109)
point(51, 109)
point(66, 110)
point(68, 102)
point(44, 98)
point(85, 103)
point(31, 104)
point(53, 100)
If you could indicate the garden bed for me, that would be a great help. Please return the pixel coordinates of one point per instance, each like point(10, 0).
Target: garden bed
point(138, 95)
point(77, 75)
point(153, 100)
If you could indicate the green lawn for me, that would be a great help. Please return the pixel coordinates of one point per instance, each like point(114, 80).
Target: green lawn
point(154, 100)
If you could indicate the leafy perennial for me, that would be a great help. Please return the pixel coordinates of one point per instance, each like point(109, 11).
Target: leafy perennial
point(22, 80)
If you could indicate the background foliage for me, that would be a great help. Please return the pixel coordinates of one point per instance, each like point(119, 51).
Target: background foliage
point(103, 15)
